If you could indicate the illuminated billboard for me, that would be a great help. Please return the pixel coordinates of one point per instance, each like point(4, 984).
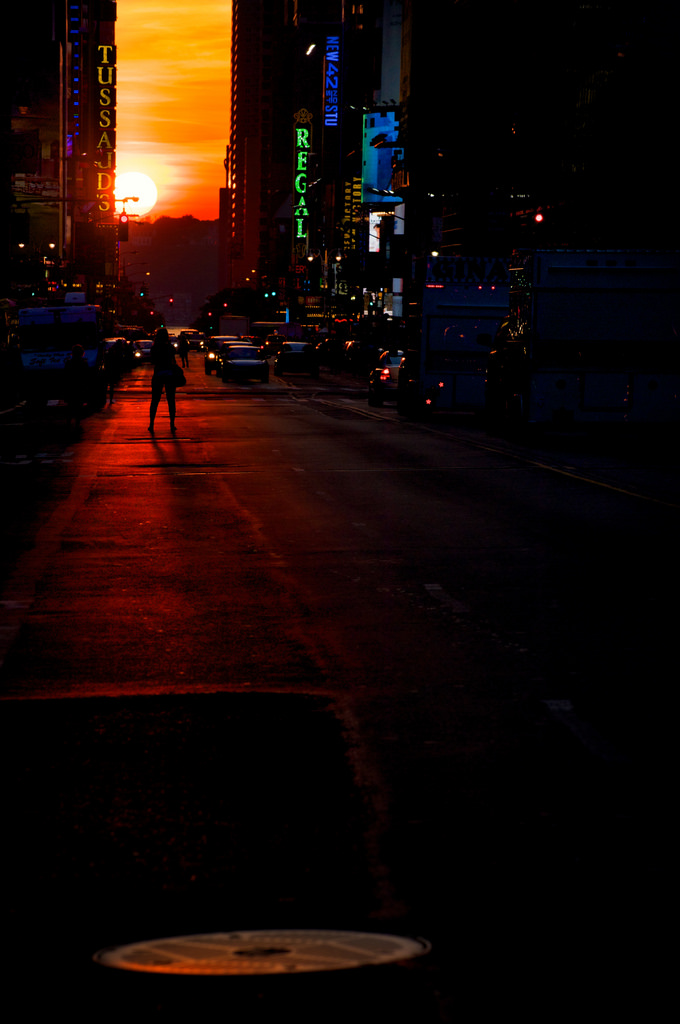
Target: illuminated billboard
point(380, 148)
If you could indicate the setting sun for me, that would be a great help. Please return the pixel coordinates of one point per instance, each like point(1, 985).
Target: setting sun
point(173, 100)
point(139, 192)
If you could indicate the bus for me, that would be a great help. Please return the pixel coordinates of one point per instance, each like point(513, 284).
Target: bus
point(46, 336)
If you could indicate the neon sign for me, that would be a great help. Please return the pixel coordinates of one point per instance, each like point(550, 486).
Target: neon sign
point(302, 149)
point(106, 124)
point(352, 213)
point(331, 80)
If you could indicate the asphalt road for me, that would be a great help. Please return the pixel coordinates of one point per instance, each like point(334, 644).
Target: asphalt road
point(307, 665)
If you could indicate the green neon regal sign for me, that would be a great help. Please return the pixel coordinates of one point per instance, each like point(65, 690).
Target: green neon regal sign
point(302, 149)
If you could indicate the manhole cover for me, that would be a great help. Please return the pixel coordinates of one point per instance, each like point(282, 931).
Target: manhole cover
point(262, 952)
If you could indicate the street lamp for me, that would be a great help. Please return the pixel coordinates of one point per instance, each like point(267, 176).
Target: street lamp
point(335, 256)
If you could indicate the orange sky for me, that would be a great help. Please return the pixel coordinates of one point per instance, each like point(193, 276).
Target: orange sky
point(173, 100)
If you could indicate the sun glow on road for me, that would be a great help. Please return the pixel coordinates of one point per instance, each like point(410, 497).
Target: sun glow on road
point(133, 183)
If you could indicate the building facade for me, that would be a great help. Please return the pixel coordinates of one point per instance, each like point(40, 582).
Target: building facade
point(60, 166)
point(475, 127)
point(256, 184)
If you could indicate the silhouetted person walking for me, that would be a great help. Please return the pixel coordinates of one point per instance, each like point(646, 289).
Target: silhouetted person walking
point(163, 359)
point(113, 366)
point(184, 349)
point(77, 379)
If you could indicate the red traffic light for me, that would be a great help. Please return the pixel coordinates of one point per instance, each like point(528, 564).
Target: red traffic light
point(123, 227)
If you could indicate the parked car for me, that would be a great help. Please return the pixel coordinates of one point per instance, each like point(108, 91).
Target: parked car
point(359, 355)
point(212, 349)
point(383, 380)
point(244, 362)
point(297, 357)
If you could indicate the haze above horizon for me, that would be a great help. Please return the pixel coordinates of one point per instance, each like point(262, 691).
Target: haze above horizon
point(173, 65)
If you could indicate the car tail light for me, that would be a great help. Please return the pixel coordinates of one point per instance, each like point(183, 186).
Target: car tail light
point(385, 374)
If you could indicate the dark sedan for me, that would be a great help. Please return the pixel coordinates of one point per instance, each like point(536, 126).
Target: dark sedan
point(244, 362)
point(213, 348)
point(384, 378)
point(297, 357)
point(142, 350)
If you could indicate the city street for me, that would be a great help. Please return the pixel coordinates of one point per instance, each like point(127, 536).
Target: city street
point(305, 664)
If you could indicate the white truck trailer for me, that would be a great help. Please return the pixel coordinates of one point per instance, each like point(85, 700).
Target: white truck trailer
point(590, 337)
point(235, 326)
point(464, 300)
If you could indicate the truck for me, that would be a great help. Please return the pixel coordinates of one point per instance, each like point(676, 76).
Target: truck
point(590, 336)
point(264, 328)
point(46, 336)
point(236, 326)
point(464, 300)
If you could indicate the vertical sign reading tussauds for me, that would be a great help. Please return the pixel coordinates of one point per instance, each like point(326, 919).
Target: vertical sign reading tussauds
point(105, 112)
point(302, 150)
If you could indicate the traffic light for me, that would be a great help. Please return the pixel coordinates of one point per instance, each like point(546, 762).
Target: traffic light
point(123, 221)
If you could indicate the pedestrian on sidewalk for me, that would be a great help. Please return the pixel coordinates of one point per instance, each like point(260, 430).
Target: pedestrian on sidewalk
point(164, 365)
point(113, 366)
point(183, 346)
point(77, 378)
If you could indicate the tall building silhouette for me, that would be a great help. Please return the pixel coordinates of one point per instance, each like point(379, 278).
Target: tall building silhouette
point(59, 94)
point(258, 175)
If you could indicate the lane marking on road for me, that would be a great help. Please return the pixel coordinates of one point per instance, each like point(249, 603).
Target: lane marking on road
point(563, 711)
point(178, 471)
point(517, 456)
point(436, 591)
point(560, 470)
point(599, 483)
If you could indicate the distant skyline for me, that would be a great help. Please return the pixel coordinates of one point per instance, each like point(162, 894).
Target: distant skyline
point(173, 100)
